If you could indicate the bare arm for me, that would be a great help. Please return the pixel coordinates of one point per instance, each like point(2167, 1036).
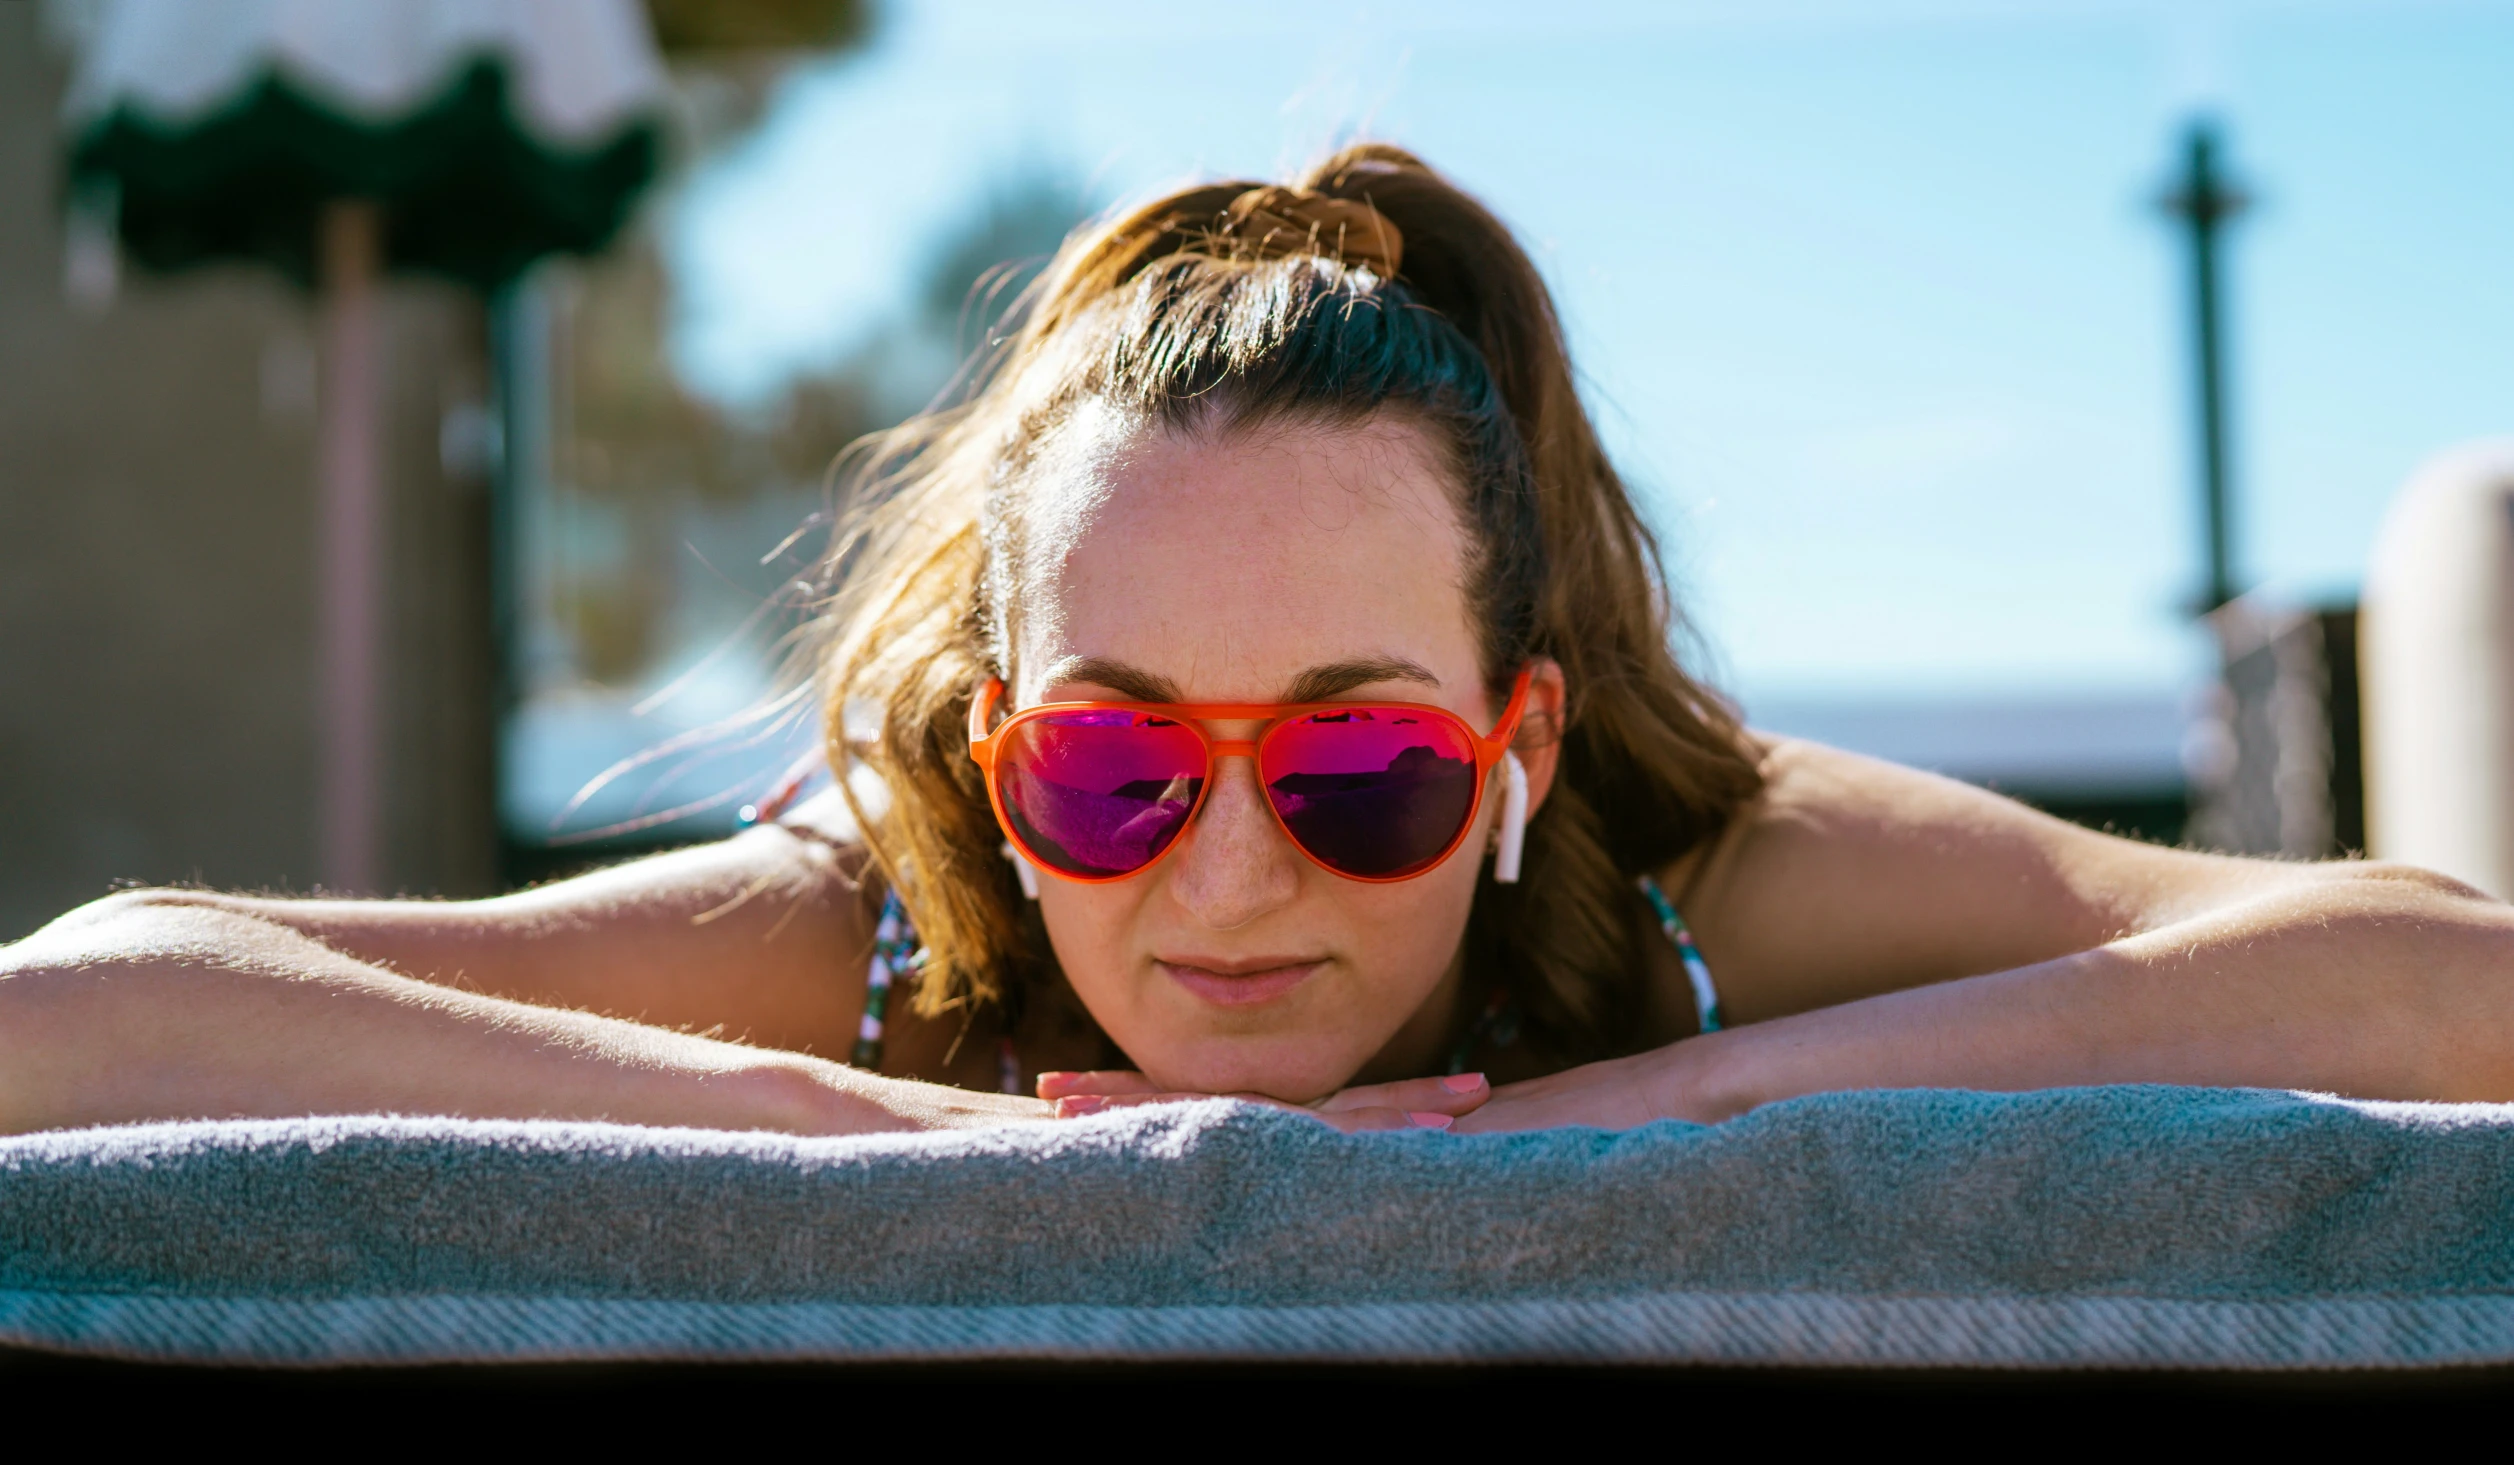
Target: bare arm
point(156, 1005)
point(2377, 982)
point(759, 938)
point(1874, 927)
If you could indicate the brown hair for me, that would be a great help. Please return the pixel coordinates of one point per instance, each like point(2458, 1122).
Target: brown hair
point(1168, 314)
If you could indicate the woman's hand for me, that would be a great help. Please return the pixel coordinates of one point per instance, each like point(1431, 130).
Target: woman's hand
point(1620, 1093)
point(1414, 1103)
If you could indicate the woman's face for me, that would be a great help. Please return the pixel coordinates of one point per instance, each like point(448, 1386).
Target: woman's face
point(1285, 563)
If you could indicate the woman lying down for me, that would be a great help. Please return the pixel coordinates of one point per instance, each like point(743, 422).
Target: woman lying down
point(1268, 684)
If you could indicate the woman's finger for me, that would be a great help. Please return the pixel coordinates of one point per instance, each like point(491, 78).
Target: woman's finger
point(1351, 1119)
point(1074, 1106)
point(1057, 1084)
point(1379, 1117)
point(1459, 1093)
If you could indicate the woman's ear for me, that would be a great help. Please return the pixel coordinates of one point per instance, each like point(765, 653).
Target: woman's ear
point(1540, 740)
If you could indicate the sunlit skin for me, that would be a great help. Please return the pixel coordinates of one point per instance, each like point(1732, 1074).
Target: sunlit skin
point(1288, 563)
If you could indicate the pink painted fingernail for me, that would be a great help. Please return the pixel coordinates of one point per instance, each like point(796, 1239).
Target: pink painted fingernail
point(1463, 1083)
point(1067, 1108)
point(1423, 1120)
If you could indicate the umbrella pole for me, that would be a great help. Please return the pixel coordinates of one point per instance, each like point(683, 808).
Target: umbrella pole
point(350, 569)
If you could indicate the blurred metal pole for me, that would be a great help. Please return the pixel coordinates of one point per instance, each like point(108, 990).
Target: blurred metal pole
point(351, 544)
point(2205, 203)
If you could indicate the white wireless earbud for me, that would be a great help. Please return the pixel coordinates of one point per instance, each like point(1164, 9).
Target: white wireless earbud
point(1514, 820)
point(1030, 877)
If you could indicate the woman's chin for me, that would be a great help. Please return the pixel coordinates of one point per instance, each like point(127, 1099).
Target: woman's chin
point(1295, 1073)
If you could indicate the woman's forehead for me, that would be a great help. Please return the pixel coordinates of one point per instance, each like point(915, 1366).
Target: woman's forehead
point(1233, 563)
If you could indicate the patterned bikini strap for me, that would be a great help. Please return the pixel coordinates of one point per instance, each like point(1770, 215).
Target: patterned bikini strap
point(1706, 998)
point(897, 952)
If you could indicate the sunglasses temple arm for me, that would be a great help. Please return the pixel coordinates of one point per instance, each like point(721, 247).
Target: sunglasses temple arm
point(1514, 712)
point(981, 712)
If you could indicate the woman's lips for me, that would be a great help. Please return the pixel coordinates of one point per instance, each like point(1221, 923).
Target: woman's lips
point(1240, 984)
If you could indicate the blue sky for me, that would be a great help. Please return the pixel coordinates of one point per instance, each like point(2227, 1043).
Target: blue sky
point(1868, 295)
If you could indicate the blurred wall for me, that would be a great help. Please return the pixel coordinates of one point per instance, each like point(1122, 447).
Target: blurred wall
point(156, 565)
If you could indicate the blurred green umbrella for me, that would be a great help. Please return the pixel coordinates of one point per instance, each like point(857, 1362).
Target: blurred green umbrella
point(464, 138)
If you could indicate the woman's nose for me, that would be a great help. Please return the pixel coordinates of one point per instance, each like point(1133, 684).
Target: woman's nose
point(1234, 864)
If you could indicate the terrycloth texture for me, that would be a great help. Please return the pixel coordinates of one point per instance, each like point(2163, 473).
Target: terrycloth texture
point(2114, 1226)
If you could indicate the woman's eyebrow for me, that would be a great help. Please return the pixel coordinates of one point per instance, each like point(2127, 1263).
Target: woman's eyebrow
point(1335, 678)
point(1317, 684)
point(1131, 683)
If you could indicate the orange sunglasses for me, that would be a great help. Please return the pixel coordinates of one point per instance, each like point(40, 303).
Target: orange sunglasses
point(1097, 791)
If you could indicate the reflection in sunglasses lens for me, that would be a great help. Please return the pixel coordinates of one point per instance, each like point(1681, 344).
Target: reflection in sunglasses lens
point(1100, 793)
point(1373, 792)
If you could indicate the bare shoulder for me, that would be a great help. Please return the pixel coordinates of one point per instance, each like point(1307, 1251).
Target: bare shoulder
point(825, 819)
point(1849, 876)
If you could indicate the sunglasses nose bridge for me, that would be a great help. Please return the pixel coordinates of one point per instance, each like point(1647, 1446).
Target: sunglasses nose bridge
point(1233, 737)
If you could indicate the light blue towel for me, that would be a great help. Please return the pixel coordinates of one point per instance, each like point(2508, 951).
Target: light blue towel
point(2135, 1226)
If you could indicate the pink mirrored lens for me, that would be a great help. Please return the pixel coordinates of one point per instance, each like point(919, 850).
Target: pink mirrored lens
point(1377, 792)
point(1099, 793)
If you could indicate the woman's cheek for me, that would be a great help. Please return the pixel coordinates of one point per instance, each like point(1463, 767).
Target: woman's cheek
point(1436, 923)
point(1401, 939)
point(1093, 929)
